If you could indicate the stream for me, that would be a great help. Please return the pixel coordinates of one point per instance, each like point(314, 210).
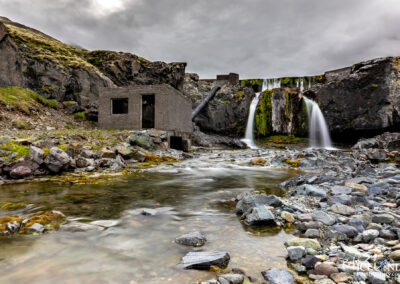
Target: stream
point(193, 195)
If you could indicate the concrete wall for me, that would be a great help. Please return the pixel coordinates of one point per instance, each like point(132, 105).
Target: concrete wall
point(172, 110)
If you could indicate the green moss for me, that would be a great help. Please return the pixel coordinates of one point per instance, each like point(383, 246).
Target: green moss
point(375, 85)
point(263, 115)
point(319, 78)
point(15, 147)
point(23, 99)
point(239, 95)
point(252, 83)
point(80, 115)
point(285, 81)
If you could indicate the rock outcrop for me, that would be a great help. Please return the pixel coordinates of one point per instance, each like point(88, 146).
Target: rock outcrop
point(31, 59)
point(227, 113)
point(362, 100)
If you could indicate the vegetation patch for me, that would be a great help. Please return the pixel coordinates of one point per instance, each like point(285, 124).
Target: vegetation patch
point(15, 147)
point(80, 115)
point(24, 99)
point(263, 115)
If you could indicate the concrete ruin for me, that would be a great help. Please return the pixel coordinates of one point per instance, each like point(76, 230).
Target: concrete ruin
point(161, 107)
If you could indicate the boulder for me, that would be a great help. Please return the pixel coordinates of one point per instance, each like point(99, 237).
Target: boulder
point(36, 154)
point(57, 160)
point(258, 215)
point(278, 276)
point(323, 217)
point(311, 190)
point(249, 200)
point(296, 252)
point(195, 239)
point(20, 172)
point(204, 260)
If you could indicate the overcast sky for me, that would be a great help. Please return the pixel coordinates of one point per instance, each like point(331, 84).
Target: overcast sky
point(255, 38)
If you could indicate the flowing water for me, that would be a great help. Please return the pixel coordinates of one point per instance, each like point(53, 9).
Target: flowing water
point(317, 127)
point(249, 136)
point(191, 195)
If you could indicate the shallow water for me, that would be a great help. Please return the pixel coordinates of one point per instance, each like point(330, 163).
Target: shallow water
point(141, 249)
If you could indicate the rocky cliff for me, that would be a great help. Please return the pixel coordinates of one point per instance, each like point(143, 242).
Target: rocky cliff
point(362, 100)
point(32, 59)
point(227, 113)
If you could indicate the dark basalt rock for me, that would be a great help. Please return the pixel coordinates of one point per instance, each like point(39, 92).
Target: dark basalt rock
point(204, 260)
point(364, 100)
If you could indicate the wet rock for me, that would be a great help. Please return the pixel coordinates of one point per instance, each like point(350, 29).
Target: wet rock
point(289, 217)
point(257, 161)
point(258, 215)
point(149, 212)
point(323, 217)
point(195, 239)
point(377, 277)
point(36, 154)
point(383, 218)
point(296, 252)
point(204, 260)
point(357, 223)
point(278, 276)
point(57, 160)
point(20, 172)
point(35, 228)
point(309, 261)
point(231, 279)
point(325, 269)
point(349, 231)
point(310, 190)
point(249, 200)
point(300, 268)
point(312, 233)
point(13, 226)
point(342, 209)
point(306, 243)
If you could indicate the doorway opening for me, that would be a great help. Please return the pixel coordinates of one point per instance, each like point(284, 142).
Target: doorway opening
point(176, 143)
point(148, 111)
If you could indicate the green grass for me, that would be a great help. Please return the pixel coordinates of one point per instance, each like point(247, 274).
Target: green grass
point(15, 147)
point(80, 115)
point(23, 99)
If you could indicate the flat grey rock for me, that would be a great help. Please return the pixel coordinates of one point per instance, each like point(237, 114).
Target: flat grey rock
point(204, 260)
point(258, 215)
point(278, 276)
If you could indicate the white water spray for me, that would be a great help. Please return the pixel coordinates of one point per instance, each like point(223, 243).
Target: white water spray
point(249, 136)
point(269, 84)
point(317, 127)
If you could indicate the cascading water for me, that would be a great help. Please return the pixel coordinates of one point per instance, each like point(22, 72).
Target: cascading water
point(269, 84)
point(249, 136)
point(317, 127)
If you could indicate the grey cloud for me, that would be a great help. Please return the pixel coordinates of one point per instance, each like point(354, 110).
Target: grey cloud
point(255, 38)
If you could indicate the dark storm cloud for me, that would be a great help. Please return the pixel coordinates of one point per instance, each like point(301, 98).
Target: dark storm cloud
point(256, 38)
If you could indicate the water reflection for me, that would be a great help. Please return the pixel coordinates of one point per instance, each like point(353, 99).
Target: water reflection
point(140, 249)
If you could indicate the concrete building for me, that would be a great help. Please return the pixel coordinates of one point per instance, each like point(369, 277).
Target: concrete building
point(161, 107)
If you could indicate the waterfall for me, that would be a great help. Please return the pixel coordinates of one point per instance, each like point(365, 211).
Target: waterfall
point(269, 84)
point(301, 85)
point(317, 127)
point(249, 136)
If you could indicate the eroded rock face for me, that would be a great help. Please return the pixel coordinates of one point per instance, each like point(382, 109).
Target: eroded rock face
point(365, 100)
point(226, 114)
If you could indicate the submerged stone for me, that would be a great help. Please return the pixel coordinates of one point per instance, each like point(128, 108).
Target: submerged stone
point(195, 239)
point(204, 260)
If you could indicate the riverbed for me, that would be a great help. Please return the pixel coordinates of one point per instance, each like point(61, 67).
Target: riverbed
point(193, 195)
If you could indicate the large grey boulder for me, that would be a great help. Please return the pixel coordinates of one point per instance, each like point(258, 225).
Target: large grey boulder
point(204, 260)
point(323, 217)
point(20, 172)
point(57, 160)
point(36, 154)
point(258, 215)
point(249, 200)
point(278, 276)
